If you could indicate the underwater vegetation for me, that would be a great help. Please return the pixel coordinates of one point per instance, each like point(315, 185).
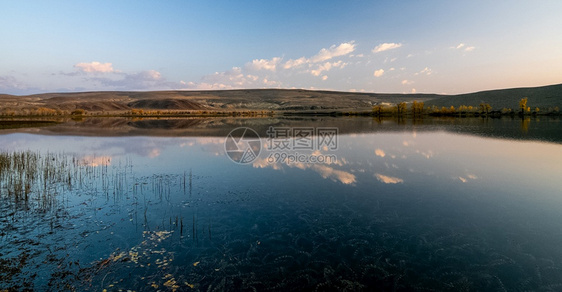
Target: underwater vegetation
point(70, 222)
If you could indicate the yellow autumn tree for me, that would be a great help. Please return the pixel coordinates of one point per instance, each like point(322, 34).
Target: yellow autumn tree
point(485, 107)
point(417, 108)
point(523, 105)
point(377, 110)
point(78, 112)
point(401, 108)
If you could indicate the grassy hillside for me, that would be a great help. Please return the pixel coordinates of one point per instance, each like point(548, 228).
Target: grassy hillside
point(223, 100)
point(280, 100)
point(542, 97)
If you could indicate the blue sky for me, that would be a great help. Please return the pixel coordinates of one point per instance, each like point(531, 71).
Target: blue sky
point(374, 46)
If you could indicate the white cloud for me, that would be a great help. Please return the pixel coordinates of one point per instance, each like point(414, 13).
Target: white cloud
point(380, 153)
point(263, 64)
point(207, 86)
point(95, 67)
point(334, 174)
point(94, 161)
point(427, 154)
point(378, 73)
point(10, 83)
point(425, 71)
point(257, 73)
point(295, 63)
point(325, 171)
point(152, 74)
point(324, 67)
point(463, 47)
point(388, 179)
point(231, 79)
point(387, 60)
point(324, 55)
point(144, 80)
point(233, 76)
point(271, 82)
point(469, 176)
point(334, 51)
point(252, 77)
point(385, 47)
point(407, 82)
point(327, 67)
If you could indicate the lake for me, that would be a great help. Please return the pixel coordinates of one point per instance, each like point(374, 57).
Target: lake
point(282, 204)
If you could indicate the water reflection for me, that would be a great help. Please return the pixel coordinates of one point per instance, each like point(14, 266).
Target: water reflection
point(397, 210)
point(529, 128)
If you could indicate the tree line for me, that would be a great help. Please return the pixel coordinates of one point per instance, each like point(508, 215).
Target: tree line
point(417, 109)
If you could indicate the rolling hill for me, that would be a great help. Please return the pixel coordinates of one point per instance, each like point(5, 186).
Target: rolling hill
point(269, 100)
point(542, 97)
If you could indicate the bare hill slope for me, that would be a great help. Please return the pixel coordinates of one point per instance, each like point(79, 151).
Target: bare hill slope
point(270, 99)
point(542, 97)
point(254, 99)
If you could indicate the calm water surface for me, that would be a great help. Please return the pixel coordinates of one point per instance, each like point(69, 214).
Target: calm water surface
point(398, 210)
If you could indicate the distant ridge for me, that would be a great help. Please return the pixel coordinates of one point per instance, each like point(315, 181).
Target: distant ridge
point(211, 100)
point(542, 97)
point(271, 100)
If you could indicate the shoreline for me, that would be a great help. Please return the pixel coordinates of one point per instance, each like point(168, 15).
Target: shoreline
point(269, 114)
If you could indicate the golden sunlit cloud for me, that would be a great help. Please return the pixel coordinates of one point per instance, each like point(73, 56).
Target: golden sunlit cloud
point(95, 161)
point(469, 176)
point(334, 174)
point(154, 153)
point(263, 64)
point(324, 170)
point(427, 154)
point(380, 153)
point(95, 67)
point(385, 47)
point(464, 47)
point(388, 179)
point(316, 153)
point(207, 141)
point(263, 163)
point(333, 51)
